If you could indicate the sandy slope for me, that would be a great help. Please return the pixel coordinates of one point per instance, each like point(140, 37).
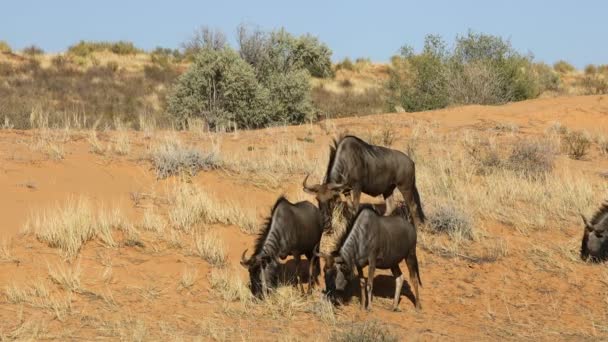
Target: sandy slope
point(511, 298)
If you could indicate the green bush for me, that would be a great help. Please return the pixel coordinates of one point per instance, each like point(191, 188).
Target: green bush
point(480, 69)
point(346, 64)
point(563, 67)
point(547, 78)
point(219, 87)
point(84, 48)
point(4, 47)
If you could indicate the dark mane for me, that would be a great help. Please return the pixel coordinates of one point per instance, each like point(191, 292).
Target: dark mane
point(597, 217)
point(259, 242)
point(349, 228)
point(332, 152)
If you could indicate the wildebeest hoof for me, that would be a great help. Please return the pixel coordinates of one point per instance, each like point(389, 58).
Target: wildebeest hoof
point(396, 309)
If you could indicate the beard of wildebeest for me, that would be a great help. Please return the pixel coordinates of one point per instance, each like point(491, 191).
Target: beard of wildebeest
point(260, 274)
point(594, 246)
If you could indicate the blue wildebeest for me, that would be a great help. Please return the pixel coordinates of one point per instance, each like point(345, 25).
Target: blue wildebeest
point(358, 167)
point(374, 241)
point(594, 246)
point(291, 229)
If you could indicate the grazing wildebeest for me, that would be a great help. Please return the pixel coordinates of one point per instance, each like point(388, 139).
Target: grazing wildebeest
point(375, 241)
point(595, 244)
point(359, 167)
point(291, 229)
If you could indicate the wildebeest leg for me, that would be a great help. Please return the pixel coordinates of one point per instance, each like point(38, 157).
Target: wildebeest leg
point(370, 281)
point(297, 259)
point(264, 285)
point(398, 285)
point(408, 197)
point(363, 286)
point(390, 203)
point(356, 195)
point(412, 267)
point(312, 276)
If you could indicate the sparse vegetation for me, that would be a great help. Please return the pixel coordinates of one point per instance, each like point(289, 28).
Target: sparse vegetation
point(563, 67)
point(577, 144)
point(172, 158)
point(4, 47)
point(210, 248)
point(365, 332)
point(453, 221)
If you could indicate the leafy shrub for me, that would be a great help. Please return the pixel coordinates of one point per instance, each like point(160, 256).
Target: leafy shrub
point(84, 48)
point(33, 50)
point(280, 51)
point(532, 158)
point(365, 332)
point(480, 69)
point(563, 67)
point(346, 64)
point(547, 78)
point(577, 144)
point(4, 47)
point(219, 87)
point(590, 69)
point(594, 84)
point(451, 220)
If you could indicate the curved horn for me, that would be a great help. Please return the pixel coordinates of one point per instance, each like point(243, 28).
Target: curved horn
point(244, 261)
point(310, 188)
point(335, 186)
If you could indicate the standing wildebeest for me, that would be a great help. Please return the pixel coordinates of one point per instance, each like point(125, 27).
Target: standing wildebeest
point(595, 243)
point(357, 166)
point(291, 229)
point(377, 242)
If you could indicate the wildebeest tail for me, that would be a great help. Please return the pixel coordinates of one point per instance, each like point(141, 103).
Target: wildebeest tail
point(418, 204)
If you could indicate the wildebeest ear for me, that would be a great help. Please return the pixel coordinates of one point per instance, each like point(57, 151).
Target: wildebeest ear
point(587, 225)
point(311, 189)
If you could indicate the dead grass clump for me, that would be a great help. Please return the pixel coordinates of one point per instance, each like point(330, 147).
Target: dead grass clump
point(556, 127)
point(383, 137)
point(171, 158)
point(152, 221)
point(95, 144)
point(508, 127)
point(192, 206)
point(284, 302)
point(365, 332)
point(531, 158)
point(189, 277)
point(577, 144)
point(66, 277)
point(451, 220)
point(71, 226)
point(229, 286)
point(6, 255)
point(211, 249)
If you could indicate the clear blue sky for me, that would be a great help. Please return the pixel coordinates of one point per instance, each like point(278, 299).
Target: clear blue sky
point(576, 31)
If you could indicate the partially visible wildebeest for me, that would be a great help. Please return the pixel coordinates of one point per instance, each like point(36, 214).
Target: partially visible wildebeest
point(359, 167)
point(375, 241)
point(291, 229)
point(594, 246)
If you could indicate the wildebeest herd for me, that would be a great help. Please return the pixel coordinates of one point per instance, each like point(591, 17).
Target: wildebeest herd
point(371, 239)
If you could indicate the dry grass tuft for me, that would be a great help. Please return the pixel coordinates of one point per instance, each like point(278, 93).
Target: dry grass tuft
point(365, 332)
point(6, 255)
point(192, 206)
point(66, 277)
point(152, 221)
point(71, 226)
point(172, 158)
point(211, 249)
point(189, 277)
point(229, 286)
point(577, 144)
point(453, 221)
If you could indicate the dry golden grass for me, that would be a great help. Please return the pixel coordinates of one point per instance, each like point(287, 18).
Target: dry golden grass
point(189, 278)
point(70, 226)
point(6, 254)
point(211, 248)
point(192, 206)
point(153, 221)
point(67, 277)
point(229, 286)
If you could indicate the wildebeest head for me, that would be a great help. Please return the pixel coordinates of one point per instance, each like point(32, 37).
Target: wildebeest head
point(327, 196)
point(595, 239)
point(337, 274)
point(262, 270)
